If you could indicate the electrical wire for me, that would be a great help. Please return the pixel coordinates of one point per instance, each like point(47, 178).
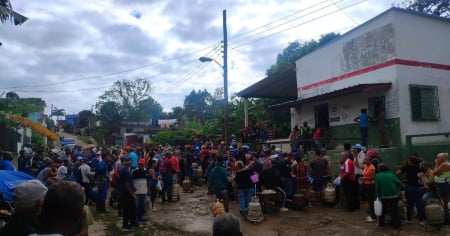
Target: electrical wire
point(295, 26)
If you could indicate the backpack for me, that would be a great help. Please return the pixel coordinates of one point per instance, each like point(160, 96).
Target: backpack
point(115, 179)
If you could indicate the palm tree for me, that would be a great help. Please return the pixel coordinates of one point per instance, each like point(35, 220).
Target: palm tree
point(7, 13)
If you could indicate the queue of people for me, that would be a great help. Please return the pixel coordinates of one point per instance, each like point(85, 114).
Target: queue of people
point(136, 177)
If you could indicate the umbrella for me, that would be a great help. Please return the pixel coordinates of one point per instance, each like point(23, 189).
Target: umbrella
point(9, 180)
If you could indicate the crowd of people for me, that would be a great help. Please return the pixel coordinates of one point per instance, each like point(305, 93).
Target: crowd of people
point(137, 176)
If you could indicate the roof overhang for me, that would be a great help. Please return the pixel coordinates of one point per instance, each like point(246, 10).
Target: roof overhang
point(282, 84)
point(336, 93)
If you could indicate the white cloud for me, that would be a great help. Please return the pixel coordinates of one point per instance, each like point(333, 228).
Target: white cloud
point(72, 41)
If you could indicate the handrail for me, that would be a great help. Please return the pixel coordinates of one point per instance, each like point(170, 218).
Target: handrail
point(410, 136)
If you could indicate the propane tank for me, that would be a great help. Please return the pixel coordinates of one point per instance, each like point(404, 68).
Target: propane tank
point(330, 193)
point(186, 184)
point(434, 212)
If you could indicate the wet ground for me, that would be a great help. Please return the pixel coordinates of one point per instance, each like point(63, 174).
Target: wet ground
point(192, 216)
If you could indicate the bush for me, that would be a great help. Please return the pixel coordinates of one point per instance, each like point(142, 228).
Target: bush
point(175, 137)
point(86, 139)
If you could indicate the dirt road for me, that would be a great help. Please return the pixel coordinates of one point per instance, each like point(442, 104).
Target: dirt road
point(192, 216)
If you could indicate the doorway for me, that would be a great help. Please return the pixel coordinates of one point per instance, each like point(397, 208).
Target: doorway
point(322, 118)
point(376, 105)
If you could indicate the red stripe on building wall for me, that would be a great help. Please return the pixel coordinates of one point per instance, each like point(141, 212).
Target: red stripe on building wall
point(376, 67)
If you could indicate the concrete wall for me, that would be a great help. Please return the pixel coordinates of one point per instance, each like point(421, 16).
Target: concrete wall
point(393, 35)
point(423, 39)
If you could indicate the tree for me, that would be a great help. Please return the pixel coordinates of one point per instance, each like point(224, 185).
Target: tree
point(148, 109)
point(7, 13)
point(128, 95)
point(296, 50)
point(198, 105)
point(86, 118)
point(433, 7)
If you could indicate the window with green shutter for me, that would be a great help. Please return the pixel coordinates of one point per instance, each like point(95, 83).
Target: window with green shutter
point(424, 102)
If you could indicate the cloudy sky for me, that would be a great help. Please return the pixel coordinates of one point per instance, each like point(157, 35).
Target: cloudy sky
point(70, 52)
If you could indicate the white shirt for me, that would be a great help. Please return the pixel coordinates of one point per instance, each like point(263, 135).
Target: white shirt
point(360, 160)
point(85, 171)
point(61, 173)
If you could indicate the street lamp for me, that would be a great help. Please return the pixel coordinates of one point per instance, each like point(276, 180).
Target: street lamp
point(225, 95)
point(225, 77)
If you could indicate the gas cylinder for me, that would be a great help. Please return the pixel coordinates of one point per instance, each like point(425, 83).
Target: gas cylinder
point(176, 192)
point(217, 208)
point(434, 212)
point(330, 193)
point(186, 184)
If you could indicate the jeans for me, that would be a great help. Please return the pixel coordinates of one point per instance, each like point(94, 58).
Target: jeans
point(392, 205)
point(129, 209)
point(369, 190)
point(364, 132)
point(245, 196)
point(140, 206)
point(349, 192)
point(414, 199)
point(288, 186)
point(167, 187)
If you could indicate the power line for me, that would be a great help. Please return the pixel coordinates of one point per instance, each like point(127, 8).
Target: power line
point(113, 73)
point(282, 18)
point(311, 20)
point(285, 23)
point(345, 13)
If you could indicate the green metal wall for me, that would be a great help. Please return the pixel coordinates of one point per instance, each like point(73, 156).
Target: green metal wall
point(350, 133)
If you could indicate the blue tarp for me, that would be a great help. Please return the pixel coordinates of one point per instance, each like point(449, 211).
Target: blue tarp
point(9, 180)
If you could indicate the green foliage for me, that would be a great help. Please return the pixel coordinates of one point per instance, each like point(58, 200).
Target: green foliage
point(86, 116)
point(37, 140)
point(21, 106)
point(173, 137)
point(148, 109)
point(86, 139)
point(432, 7)
point(68, 128)
point(296, 50)
point(198, 105)
point(127, 95)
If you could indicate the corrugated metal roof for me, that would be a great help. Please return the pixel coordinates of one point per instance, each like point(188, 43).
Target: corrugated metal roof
point(336, 93)
point(282, 84)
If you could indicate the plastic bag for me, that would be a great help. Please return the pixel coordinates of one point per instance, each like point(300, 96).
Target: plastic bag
point(337, 181)
point(378, 207)
point(255, 178)
point(159, 186)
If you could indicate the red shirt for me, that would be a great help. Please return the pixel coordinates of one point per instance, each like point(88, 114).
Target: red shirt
point(348, 170)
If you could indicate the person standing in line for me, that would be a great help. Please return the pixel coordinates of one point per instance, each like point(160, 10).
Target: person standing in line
point(387, 187)
point(363, 120)
point(140, 182)
point(218, 182)
point(413, 190)
point(318, 169)
point(347, 181)
point(293, 139)
point(441, 179)
point(244, 184)
point(166, 169)
point(368, 185)
point(127, 196)
point(306, 135)
point(153, 176)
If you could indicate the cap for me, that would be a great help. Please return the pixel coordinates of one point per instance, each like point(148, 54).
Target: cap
point(79, 158)
point(126, 159)
point(141, 161)
point(245, 147)
point(357, 146)
point(27, 192)
point(371, 153)
point(277, 149)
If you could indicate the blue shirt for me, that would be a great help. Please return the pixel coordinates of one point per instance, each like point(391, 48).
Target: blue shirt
point(6, 165)
point(363, 120)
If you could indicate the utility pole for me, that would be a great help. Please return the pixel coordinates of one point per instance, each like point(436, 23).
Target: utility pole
point(225, 78)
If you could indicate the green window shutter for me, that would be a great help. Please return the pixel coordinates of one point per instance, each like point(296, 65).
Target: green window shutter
point(424, 103)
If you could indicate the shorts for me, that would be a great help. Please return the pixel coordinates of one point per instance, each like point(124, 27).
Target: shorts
point(318, 184)
point(443, 189)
